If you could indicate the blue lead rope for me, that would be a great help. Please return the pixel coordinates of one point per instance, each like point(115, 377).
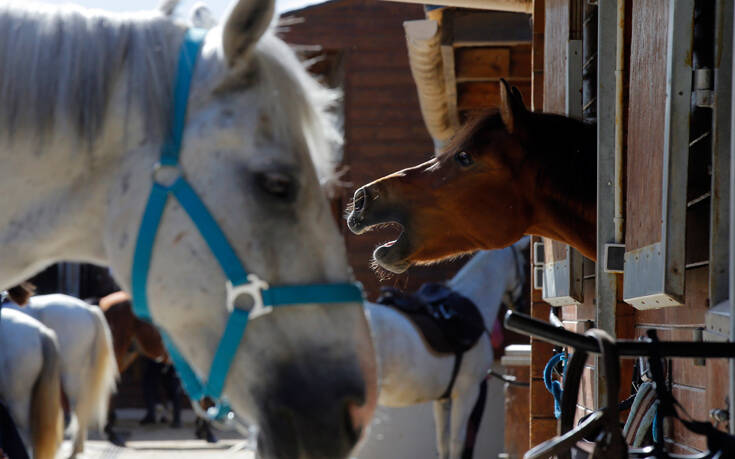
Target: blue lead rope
point(552, 385)
point(218, 244)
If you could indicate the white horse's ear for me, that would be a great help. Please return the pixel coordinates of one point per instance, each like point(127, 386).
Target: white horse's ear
point(245, 25)
point(201, 16)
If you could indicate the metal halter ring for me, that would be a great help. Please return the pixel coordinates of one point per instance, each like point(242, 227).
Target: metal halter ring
point(166, 175)
point(254, 289)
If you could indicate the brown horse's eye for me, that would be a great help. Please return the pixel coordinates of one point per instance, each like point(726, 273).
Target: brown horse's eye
point(464, 159)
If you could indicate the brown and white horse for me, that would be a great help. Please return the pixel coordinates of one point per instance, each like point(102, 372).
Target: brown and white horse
point(505, 174)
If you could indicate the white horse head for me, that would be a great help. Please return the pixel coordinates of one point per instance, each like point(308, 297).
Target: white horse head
point(84, 108)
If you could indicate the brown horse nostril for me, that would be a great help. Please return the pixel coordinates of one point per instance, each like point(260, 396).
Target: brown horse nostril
point(359, 200)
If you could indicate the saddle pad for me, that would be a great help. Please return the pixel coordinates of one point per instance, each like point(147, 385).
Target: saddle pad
point(449, 322)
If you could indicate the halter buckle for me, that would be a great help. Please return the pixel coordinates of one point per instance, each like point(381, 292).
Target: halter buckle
point(253, 289)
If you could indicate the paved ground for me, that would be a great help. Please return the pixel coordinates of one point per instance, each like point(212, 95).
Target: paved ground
point(159, 441)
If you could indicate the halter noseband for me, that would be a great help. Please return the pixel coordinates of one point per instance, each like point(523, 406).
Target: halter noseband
point(263, 298)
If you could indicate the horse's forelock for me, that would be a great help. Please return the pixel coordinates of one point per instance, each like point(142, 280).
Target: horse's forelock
point(299, 108)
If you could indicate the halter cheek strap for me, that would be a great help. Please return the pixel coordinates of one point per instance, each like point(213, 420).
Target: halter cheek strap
point(261, 297)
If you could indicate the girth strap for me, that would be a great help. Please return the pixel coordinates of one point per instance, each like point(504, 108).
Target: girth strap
point(455, 371)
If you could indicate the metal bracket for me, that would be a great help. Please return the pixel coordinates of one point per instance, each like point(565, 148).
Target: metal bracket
point(614, 258)
point(563, 280)
point(253, 290)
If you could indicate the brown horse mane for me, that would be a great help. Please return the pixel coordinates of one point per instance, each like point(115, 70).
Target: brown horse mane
point(468, 133)
point(564, 150)
point(20, 294)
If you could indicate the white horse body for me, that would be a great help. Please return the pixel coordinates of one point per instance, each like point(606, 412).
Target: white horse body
point(411, 373)
point(88, 368)
point(30, 382)
point(85, 100)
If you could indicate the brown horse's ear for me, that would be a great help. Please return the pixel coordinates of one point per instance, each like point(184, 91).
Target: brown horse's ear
point(511, 106)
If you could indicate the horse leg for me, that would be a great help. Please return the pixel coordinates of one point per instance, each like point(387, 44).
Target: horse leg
point(112, 436)
point(466, 415)
point(442, 410)
point(80, 436)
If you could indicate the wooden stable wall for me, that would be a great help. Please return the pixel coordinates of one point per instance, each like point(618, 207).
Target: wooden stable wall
point(699, 386)
point(384, 131)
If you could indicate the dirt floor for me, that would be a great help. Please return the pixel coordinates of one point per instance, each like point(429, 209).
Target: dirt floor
point(159, 441)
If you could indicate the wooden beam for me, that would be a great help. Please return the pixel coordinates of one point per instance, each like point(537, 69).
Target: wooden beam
point(450, 82)
point(521, 6)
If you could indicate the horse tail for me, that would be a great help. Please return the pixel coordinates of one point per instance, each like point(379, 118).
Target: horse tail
point(102, 377)
point(46, 419)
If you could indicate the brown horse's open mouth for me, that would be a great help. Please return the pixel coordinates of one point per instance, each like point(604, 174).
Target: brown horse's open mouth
point(365, 215)
point(393, 255)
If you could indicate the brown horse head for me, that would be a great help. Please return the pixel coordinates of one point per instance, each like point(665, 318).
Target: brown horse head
point(507, 173)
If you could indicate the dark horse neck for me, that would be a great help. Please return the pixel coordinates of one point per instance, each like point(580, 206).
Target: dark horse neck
point(564, 153)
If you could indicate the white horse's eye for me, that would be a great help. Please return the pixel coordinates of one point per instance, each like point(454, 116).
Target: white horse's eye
point(277, 184)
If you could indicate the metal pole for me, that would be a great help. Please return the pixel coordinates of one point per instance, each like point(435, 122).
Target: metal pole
point(732, 259)
point(605, 283)
point(522, 323)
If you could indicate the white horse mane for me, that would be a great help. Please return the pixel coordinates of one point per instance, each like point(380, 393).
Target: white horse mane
point(59, 66)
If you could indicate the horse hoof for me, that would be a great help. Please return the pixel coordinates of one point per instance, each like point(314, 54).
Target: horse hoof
point(211, 438)
point(115, 439)
point(148, 419)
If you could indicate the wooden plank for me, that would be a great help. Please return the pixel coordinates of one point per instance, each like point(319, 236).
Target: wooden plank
point(537, 54)
point(555, 48)
point(520, 61)
point(476, 95)
point(516, 414)
point(542, 403)
point(482, 63)
point(542, 429)
point(646, 118)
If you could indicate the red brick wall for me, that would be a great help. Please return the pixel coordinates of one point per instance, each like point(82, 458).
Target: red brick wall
point(384, 131)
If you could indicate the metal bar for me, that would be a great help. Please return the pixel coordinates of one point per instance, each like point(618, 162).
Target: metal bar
point(519, 6)
point(605, 283)
point(731, 219)
point(527, 325)
point(719, 249)
point(676, 143)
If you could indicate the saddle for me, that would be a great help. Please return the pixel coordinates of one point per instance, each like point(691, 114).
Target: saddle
point(449, 322)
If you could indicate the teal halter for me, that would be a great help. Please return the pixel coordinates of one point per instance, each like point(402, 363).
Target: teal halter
point(263, 298)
